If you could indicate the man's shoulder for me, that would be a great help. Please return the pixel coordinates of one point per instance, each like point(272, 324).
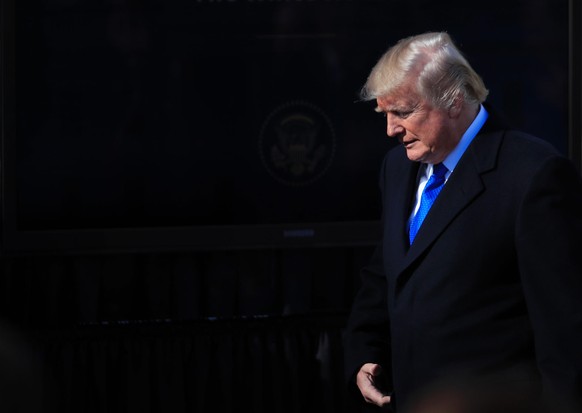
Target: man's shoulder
point(528, 144)
point(514, 146)
point(522, 152)
point(518, 157)
point(497, 134)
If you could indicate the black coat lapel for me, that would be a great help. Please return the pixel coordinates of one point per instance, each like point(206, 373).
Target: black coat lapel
point(398, 198)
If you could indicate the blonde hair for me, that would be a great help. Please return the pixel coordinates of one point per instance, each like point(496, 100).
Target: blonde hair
point(434, 63)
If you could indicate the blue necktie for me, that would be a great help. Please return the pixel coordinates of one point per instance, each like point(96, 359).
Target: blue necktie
point(431, 190)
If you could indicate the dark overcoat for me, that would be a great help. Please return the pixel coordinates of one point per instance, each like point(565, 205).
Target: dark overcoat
point(493, 280)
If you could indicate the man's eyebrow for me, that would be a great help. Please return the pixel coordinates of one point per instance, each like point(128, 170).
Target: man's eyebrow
point(397, 108)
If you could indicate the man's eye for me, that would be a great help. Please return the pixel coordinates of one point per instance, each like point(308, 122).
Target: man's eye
point(400, 113)
point(397, 113)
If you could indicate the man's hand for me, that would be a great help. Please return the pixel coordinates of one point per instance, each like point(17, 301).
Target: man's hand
point(368, 385)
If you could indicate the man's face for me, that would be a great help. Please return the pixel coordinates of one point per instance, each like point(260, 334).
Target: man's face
point(427, 132)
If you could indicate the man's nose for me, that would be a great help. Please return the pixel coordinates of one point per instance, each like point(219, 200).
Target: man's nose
point(393, 127)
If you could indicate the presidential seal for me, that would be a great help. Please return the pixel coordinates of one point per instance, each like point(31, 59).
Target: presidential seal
point(297, 143)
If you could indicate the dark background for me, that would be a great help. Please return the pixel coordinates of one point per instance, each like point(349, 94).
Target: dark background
point(153, 255)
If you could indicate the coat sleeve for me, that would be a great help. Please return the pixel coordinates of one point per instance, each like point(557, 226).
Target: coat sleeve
point(549, 249)
point(367, 334)
point(366, 339)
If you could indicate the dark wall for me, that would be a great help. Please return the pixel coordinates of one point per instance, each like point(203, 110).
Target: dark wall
point(232, 114)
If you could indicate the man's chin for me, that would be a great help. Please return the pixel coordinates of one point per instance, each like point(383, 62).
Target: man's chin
point(423, 157)
point(415, 156)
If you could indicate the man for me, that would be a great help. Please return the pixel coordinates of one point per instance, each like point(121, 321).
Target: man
point(478, 275)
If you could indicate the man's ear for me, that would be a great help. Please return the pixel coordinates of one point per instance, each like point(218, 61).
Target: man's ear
point(456, 107)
